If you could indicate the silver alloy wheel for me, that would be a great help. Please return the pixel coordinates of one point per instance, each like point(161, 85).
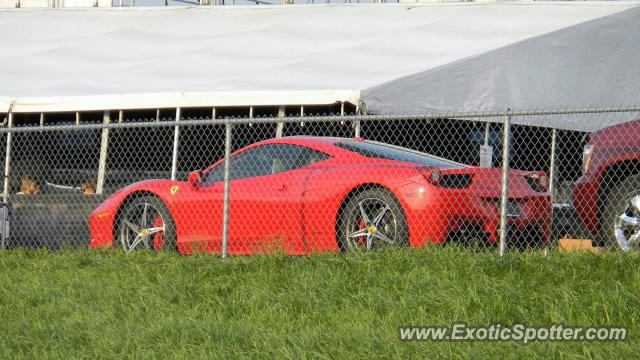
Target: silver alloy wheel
point(371, 224)
point(627, 225)
point(139, 225)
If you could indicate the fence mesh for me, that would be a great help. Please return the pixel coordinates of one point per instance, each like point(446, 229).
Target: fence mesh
point(303, 184)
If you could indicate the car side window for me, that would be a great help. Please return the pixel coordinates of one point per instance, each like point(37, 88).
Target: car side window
point(249, 163)
point(215, 174)
point(266, 160)
point(308, 157)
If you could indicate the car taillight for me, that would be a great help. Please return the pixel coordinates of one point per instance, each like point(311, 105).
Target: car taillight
point(539, 182)
point(586, 157)
point(543, 181)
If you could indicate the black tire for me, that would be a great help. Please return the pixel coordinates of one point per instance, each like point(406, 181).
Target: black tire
point(617, 203)
point(391, 229)
point(156, 210)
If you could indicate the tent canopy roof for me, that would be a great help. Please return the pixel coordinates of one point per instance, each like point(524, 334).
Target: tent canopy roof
point(395, 58)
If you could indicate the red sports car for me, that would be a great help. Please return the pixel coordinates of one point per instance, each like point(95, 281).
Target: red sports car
point(301, 195)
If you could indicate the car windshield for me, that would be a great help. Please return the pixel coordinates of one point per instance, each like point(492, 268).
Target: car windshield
point(377, 150)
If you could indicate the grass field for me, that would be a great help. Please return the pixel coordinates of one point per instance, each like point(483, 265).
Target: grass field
point(149, 306)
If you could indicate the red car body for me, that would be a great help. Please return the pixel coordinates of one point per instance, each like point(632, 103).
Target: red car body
point(614, 153)
point(297, 211)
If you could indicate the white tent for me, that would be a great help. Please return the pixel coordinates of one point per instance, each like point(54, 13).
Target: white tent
point(396, 58)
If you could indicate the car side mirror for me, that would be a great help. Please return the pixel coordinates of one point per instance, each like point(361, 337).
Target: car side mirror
point(195, 178)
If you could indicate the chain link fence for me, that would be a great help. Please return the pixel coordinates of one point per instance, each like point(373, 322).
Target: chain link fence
point(302, 184)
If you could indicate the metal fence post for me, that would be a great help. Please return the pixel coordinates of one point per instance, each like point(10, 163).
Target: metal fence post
point(7, 160)
point(552, 179)
point(504, 198)
point(7, 173)
point(176, 139)
point(552, 165)
point(225, 211)
point(104, 146)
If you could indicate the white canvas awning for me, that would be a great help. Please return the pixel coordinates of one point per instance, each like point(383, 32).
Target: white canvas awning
point(396, 58)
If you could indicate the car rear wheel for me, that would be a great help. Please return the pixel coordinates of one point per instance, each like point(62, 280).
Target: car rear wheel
point(372, 220)
point(621, 216)
point(146, 223)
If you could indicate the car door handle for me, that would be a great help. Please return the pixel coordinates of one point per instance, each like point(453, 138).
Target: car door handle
point(282, 187)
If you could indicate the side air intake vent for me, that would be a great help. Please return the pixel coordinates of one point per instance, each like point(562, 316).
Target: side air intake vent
point(455, 181)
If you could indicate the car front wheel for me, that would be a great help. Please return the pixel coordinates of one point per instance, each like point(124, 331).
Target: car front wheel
point(621, 215)
point(146, 223)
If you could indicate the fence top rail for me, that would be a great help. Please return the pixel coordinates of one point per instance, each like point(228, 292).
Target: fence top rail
point(499, 115)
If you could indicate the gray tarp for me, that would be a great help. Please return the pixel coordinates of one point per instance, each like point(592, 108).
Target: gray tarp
point(395, 58)
point(589, 65)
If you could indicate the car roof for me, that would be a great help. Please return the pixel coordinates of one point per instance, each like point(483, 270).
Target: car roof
point(322, 143)
point(328, 145)
point(326, 140)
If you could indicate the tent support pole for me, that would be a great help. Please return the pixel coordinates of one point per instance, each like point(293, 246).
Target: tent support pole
point(176, 139)
point(7, 159)
point(356, 124)
point(225, 209)
point(280, 125)
point(505, 184)
point(104, 147)
point(487, 127)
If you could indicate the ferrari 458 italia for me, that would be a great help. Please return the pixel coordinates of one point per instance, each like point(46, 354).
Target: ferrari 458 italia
point(301, 195)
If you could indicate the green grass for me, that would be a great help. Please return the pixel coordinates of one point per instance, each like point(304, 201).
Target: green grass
point(96, 304)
